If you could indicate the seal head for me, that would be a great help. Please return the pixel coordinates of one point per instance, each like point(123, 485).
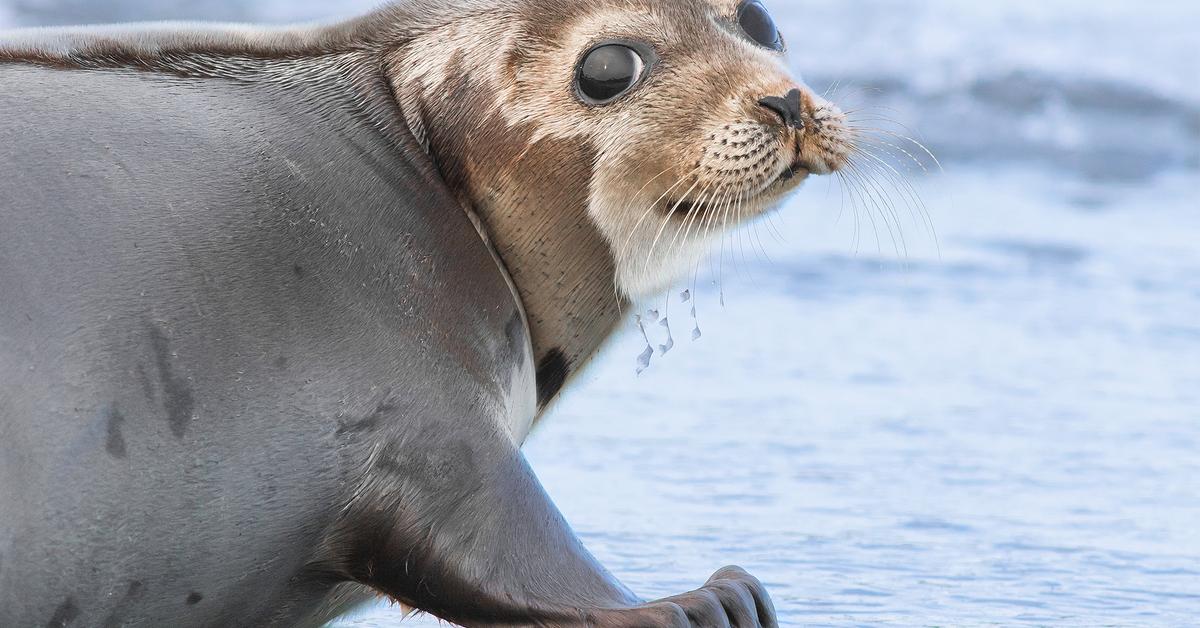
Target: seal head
point(607, 143)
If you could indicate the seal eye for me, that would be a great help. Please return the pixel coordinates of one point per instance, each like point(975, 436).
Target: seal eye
point(758, 25)
point(609, 71)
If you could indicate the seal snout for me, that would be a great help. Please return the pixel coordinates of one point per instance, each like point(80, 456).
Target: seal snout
point(815, 128)
point(798, 113)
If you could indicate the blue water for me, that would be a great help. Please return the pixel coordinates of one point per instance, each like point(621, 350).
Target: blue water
point(996, 425)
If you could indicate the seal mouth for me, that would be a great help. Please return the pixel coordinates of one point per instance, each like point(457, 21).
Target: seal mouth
point(799, 168)
point(684, 207)
point(796, 172)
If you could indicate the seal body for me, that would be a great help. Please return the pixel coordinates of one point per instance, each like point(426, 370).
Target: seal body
point(279, 307)
point(216, 296)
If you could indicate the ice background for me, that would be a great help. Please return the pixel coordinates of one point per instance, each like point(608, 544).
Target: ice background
point(999, 428)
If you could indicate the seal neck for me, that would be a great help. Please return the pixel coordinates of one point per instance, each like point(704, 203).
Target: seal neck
point(530, 193)
point(534, 215)
point(564, 277)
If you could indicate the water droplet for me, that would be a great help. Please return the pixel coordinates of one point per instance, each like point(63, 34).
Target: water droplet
point(670, 344)
point(644, 359)
point(686, 296)
point(696, 334)
point(652, 315)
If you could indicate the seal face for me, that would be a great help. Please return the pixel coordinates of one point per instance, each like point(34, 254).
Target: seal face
point(671, 121)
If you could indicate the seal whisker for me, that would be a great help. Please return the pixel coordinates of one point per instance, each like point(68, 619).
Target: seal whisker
point(873, 113)
point(706, 227)
point(755, 237)
point(900, 182)
point(666, 221)
point(628, 239)
point(724, 228)
point(874, 190)
point(843, 185)
point(773, 229)
point(741, 233)
point(832, 88)
point(698, 208)
point(684, 227)
point(725, 234)
point(848, 194)
point(650, 209)
point(846, 92)
point(908, 193)
point(766, 257)
point(855, 191)
point(736, 234)
point(875, 138)
point(916, 205)
point(692, 217)
point(887, 210)
point(886, 146)
point(916, 143)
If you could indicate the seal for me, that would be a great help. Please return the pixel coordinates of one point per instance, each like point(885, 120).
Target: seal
point(281, 305)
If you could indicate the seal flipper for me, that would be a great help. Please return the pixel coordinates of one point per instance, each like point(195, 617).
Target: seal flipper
point(466, 532)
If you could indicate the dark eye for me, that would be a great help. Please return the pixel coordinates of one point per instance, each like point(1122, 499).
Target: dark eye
point(608, 72)
point(756, 22)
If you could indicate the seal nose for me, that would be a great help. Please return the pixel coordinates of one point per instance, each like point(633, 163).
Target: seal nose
point(788, 108)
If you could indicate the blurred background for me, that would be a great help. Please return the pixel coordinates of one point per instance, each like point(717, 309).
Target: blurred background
point(996, 424)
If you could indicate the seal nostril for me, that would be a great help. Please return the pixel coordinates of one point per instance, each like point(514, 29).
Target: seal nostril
point(779, 106)
point(796, 106)
point(787, 108)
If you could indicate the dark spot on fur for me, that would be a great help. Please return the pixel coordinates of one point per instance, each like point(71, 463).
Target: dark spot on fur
point(448, 469)
point(144, 379)
point(298, 271)
point(194, 598)
point(66, 613)
point(115, 443)
point(177, 395)
point(370, 422)
point(281, 363)
point(116, 618)
point(552, 373)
